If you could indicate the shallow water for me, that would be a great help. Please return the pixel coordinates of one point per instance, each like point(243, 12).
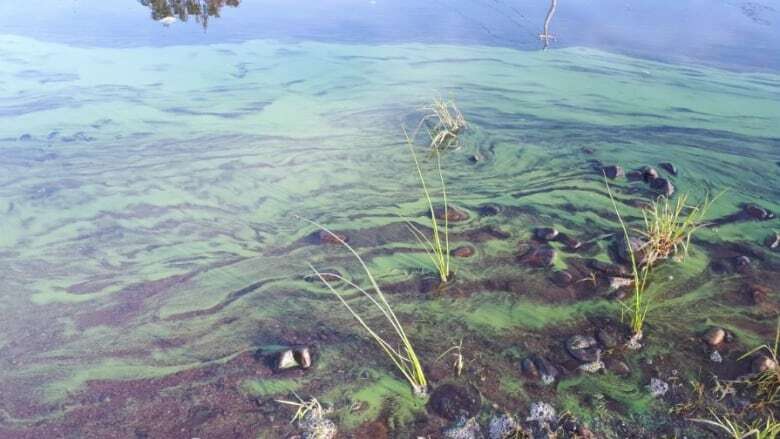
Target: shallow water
point(152, 178)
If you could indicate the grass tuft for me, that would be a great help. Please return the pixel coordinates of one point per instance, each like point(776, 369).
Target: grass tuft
point(766, 429)
point(404, 357)
point(444, 123)
point(437, 247)
point(767, 382)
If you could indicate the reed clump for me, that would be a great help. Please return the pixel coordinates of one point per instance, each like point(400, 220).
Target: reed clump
point(669, 226)
point(768, 428)
point(766, 380)
point(401, 351)
point(437, 247)
point(444, 123)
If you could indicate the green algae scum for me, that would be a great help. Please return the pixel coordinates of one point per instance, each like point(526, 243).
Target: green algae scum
point(155, 256)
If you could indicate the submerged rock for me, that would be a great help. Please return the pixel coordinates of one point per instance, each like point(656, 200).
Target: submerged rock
point(529, 369)
point(658, 387)
point(607, 337)
point(663, 186)
point(545, 233)
point(637, 247)
point(537, 367)
point(583, 348)
point(464, 429)
point(742, 262)
point(714, 336)
point(503, 427)
point(715, 357)
point(613, 171)
point(328, 239)
point(669, 167)
point(618, 367)
point(537, 256)
point(452, 401)
point(607, 268)
point(490, 209)
point(465, 251)
point(453, 215)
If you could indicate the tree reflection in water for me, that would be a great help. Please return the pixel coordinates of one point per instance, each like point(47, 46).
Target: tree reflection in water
point(202, 10)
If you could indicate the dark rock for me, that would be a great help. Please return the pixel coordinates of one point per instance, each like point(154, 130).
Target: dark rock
point(663, 186)
point(454, 214)
point(562, 278)
point(607, 268)
point(742, 262)
point(635, 175)
point(637, 246)
point(529, 369)
point(489, 209)
point(298, 357)
point(613, 171)
point(328, 239)
point(669, 167)
point(465, 251)
point(25, 137)
point(586, 150)
point(583, 348)
point(546, 369)
point(757, 212)
point(773, 241)
point(545, 233)
point(649, 174)
point(570, 243)
point(714, 336)
point(452, 401)
point(539, 257)
point(476, 158)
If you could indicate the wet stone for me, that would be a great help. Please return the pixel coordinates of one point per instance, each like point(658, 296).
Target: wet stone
point(762, 363)
point(773, 241)
point(649, 174)
point(756, 212)
point(583, 348)
point(25, 137)
point(489, 209)
point(714, 336)
point(545, 233)
point(663, 186)
point(742, 262)
point(452, 401)
point(453, 215)
point(613, 171)
point(528, 367)
point(570, 243)
point(539, 257)
point(635, 175)
point(637, 245)
point(299, 357)
point(618, 367)
point(562, 278)
point(546, 369)
point(463, 252)
point(668, 167)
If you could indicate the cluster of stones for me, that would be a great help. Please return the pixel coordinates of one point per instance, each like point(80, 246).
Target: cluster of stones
point(647, 174)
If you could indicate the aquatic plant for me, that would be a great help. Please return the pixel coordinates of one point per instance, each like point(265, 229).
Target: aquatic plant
point(457, 352)
point(638, 306)
point(304, 407)
point(766, 382)
point(766, 429)
point(404, 357)
point(438, 246)
point(444, 123)
point(669, 226)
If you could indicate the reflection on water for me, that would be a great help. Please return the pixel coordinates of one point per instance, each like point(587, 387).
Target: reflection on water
point(163, 10)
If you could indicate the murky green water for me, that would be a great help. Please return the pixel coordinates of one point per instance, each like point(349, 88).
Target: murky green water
point(152, 254)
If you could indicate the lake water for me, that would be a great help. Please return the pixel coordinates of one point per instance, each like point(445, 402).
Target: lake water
point(153, 177)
